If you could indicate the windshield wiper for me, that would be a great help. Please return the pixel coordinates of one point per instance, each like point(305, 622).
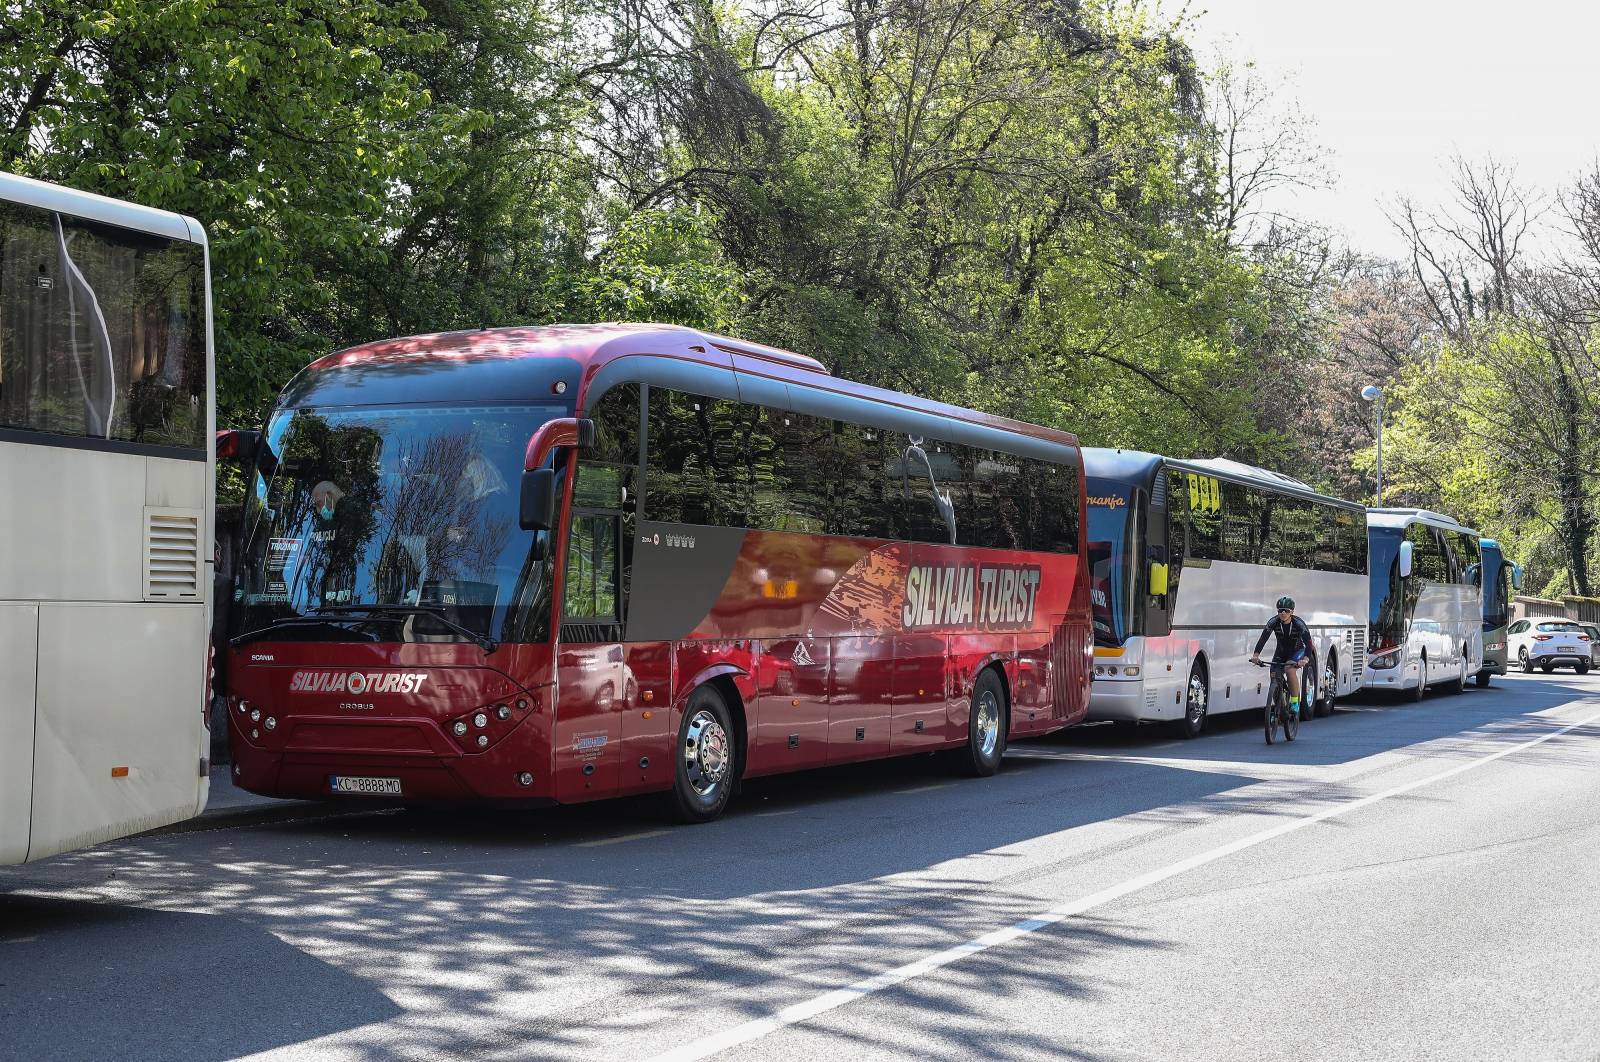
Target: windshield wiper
point(295, 621)
point(434, 612)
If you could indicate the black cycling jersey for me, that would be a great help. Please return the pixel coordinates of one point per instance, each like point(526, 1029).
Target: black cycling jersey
point(1293, 638)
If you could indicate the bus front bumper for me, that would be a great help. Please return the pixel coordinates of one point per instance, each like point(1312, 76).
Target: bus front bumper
point(1122, 700)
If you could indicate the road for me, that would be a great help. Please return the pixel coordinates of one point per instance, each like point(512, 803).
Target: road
point(1406, 881)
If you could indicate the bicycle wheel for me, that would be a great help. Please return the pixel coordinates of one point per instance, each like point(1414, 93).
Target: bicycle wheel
point(1271, 714)
point(1291, 722)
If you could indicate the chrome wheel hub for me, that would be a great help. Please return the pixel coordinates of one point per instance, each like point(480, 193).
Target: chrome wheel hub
point(986, 720)
point(706, 753)
point(1197, 698)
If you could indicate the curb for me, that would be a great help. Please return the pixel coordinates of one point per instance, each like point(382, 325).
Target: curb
point(263, 815)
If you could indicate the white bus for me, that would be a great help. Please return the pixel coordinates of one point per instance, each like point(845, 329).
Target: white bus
point(1188, 560)
point(1426, 611)
point(106, 458)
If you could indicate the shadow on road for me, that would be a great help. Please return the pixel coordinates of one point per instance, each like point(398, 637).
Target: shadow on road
point(542, 934)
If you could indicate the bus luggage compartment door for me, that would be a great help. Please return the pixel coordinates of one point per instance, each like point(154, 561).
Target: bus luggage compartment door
point(19, 627)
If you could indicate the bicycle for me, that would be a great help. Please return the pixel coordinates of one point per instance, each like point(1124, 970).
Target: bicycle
point(1277, 713)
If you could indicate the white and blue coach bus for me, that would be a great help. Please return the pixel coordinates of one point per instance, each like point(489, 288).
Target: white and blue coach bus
point(1187, 562)
point(1426, 611)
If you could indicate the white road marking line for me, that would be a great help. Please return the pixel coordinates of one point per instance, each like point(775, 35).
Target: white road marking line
point(811, 1008)
point(602, 842)
point(923, 788)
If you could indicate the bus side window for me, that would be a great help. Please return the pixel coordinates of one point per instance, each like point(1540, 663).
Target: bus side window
point(590, 592)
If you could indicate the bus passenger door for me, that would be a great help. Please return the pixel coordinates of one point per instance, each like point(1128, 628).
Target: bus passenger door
point(595, 683)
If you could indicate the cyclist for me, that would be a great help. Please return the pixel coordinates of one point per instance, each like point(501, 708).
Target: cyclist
point(1293, 648)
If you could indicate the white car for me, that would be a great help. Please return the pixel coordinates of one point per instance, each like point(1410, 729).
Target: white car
point(1548, 643)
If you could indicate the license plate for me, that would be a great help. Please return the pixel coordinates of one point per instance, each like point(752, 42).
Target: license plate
point(344, 783)
point(1569, 649)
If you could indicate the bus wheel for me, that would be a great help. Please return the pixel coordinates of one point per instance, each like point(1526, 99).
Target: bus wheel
point(706, 760)
point(1483, 680)
point(1460, 684)
point(1422, 680)
point(986, 728)
point(1195, 703)
point(1310, 688)
point(1330, 685)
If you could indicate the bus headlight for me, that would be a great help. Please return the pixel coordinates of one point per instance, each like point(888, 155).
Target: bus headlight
point(483, 741)
point(480, 720)
point(460, 728)
point(502, 713)
point(270, 723)
point(1130, 672)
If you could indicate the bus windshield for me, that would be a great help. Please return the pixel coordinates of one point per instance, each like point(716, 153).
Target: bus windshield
point(1110, 524)
point(410, 508)
point(1387, 612)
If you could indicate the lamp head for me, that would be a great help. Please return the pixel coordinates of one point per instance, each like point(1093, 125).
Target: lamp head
point(1372, 392)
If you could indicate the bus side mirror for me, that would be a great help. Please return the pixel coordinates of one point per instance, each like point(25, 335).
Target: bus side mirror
point(1405, 560)
point(1158, 579)
point(1516, 576)
point(573, 432)
point(247, 449)
point(538, 507)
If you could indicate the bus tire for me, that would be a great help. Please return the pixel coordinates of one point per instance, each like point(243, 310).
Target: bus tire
point(1328, 686)
point(1422, 680)
point(706, 758)
point(1483, 680)
point(1196, 702)
point(987, 721)
point(1460, 684)
point(1310, 687)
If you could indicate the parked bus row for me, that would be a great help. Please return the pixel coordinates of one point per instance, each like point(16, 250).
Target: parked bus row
point(555, 564)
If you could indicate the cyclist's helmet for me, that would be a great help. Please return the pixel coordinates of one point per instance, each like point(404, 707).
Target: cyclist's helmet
point(1285, 603)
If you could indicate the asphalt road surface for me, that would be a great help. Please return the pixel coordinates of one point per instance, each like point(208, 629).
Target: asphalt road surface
point(1405, 881)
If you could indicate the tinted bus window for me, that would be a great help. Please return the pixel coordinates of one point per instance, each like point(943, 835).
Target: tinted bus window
point(102, 331)
point(1427, 557)
point(696, 476)
point(866, 503)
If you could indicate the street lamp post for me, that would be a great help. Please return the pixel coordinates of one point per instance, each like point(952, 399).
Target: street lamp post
point(1374, 394)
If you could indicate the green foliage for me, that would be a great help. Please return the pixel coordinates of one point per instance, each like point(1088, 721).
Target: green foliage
point(1004, 203)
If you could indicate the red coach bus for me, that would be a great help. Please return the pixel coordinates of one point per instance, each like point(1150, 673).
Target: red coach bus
point(563, 563)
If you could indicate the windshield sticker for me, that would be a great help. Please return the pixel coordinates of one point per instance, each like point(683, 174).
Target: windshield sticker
point(280, 551)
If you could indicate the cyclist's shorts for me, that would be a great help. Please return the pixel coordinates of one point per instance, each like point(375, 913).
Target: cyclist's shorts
point(1295, 659)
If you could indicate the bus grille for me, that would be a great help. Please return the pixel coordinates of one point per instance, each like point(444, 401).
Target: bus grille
point(1358, 658)
point(171, 555)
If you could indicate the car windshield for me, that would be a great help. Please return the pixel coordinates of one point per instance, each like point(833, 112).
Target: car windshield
point(410, 508)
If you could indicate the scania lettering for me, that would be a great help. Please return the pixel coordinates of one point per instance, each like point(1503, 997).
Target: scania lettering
point(1426, 609)
point(565, 563)
point(1187, 560)
point(106, 460)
